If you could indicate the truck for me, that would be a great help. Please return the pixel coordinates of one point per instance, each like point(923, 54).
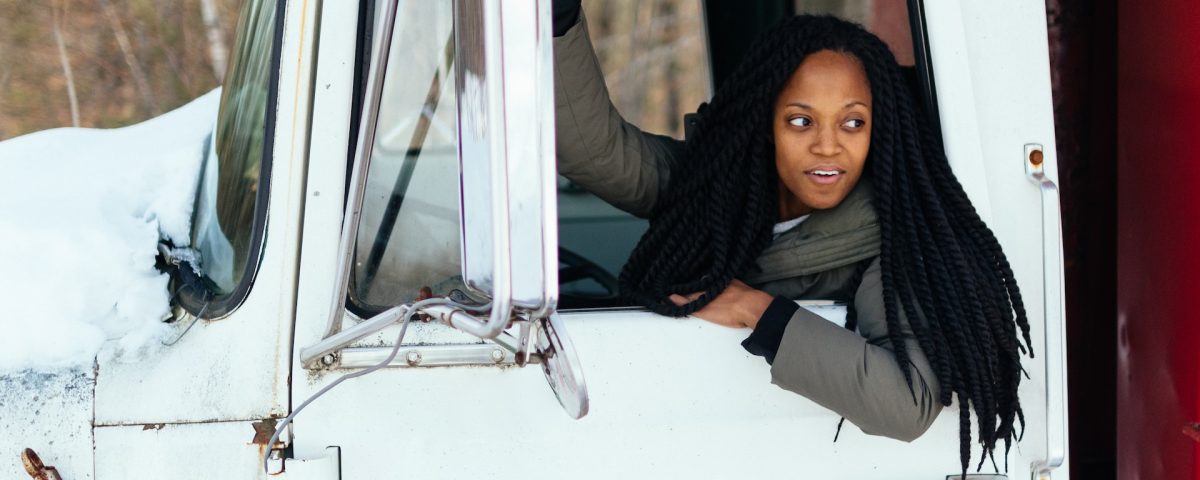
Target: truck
point(379, 196)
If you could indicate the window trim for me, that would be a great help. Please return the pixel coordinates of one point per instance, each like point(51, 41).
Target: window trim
point(203, 304)
point(362, 69)
point(918, 27)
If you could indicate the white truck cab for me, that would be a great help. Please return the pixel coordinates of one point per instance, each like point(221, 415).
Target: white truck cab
point(372, 154)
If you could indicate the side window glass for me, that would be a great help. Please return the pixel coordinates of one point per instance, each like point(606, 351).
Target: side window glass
point(229, 216)
point(408, 237)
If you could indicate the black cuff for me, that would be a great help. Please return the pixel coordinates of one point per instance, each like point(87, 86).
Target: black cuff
point(764, 340)
point(565, 13)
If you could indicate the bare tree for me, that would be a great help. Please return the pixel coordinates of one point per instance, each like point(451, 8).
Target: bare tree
point(217, 53)
point(135, 68)
point(56, 24)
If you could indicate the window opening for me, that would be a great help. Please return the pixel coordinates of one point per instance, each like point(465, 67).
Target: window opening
point(659, 63)
point(408, 245)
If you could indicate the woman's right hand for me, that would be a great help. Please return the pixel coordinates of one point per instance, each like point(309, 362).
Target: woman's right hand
point(738, 306)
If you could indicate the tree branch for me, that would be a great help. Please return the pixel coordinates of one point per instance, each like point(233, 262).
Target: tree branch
point(217, 53)
point(56, 24)
point(135, 68)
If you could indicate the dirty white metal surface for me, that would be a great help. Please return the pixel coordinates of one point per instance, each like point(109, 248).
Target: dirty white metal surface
point(668, 396)
point(990, 61)
point(200, 451)
point(50, 413)
point(235, 368)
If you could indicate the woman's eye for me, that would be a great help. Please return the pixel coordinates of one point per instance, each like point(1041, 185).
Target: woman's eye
point(800, 121)
point(855, 123)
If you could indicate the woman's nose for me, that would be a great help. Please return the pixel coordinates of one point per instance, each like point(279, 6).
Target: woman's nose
point(826, 144)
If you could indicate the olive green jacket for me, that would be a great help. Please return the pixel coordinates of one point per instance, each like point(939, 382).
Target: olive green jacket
point(853, 374)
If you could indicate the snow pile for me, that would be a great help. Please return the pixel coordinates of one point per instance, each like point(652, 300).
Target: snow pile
point(81, 213)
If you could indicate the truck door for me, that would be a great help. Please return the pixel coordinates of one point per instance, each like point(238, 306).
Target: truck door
point(663, 396)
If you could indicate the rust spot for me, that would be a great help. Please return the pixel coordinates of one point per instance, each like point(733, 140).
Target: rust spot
point(35, 468)
point(153, 426)
point(33, 463)
point(425, 293)
point(263, 431)
point(1036, 158)
point(1192, 430)
point(262, 434)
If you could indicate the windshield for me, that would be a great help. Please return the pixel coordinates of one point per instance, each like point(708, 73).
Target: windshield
point(225, 229)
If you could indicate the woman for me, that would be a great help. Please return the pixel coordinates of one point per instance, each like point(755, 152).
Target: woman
point(813, 175)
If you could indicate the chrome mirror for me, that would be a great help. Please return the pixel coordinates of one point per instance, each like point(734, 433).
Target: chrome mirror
point(505, 96)
point(504, 84)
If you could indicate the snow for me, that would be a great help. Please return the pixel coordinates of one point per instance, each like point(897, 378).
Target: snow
point(81, 214)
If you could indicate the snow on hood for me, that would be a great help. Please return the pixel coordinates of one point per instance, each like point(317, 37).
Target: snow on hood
point(81, 214)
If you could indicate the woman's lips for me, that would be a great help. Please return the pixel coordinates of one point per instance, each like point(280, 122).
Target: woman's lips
point(824, 176)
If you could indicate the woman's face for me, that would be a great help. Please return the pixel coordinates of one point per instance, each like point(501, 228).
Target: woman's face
point(822, 132)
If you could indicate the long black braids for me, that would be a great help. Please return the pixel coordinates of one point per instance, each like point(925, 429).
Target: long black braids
point(941, 267)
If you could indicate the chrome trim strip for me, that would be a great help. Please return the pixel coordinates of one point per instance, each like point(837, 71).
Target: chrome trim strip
point(418, 356)
point(358, 176)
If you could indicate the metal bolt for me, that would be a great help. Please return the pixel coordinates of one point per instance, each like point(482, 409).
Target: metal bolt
point(328, 360)
point(497, 355)
point(1036, 158)
point(413, 357)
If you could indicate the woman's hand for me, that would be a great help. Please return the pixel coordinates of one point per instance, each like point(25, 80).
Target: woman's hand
point(739, 306)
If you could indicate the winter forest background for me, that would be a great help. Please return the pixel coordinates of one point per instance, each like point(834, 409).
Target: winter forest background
point(111, 63)
point(107, 63)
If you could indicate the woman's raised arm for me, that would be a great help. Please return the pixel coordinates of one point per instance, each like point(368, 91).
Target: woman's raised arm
point(597, 148)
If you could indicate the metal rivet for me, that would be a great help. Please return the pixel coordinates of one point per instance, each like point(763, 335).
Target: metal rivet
point(497, 355)
point(328, 360)
point(1035, 158)
point(413, 358)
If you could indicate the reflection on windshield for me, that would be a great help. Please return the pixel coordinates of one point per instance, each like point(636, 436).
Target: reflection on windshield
point(226, 201)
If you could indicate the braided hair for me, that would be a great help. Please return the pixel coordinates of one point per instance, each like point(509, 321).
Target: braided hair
point(712, 223)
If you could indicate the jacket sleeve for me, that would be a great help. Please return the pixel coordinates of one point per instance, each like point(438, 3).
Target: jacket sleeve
point(856, 375)
point(598, 149)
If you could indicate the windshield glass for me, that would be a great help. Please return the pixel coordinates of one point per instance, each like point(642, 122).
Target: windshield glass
point(223, 227)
